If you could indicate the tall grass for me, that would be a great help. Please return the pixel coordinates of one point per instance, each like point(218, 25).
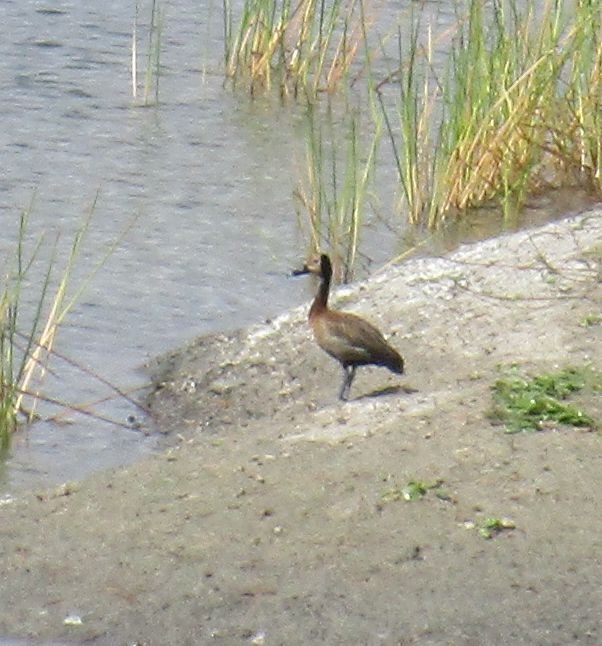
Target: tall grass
point(27, 345)
point(518, 109)
point(301, 49)
point(336, 182)
point(505, 103)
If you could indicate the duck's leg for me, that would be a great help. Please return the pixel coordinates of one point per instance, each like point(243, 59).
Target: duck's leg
point(349, 374)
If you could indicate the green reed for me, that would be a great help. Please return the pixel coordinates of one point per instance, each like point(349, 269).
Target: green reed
point(26, 347)
point(504, 103)
point(336, 183)
point(150, 88)
point(301, 49)
point(516, 110)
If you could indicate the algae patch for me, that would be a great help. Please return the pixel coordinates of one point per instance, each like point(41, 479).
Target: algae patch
point(493, 526)
point(415, 490)
point(532, 404)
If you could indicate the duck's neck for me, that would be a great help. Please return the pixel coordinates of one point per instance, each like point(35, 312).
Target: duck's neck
point(320, 303)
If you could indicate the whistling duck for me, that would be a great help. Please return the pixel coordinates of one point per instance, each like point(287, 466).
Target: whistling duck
point(351, 340)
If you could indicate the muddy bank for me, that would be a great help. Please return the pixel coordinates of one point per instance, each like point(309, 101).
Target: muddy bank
point(271, 520)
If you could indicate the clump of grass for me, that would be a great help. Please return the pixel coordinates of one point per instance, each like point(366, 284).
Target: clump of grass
point(17, 365)
point(590, 320)
point(523, 404)
point(336, 184)
point(519, 109)
point(26, 347)
point(300, 49)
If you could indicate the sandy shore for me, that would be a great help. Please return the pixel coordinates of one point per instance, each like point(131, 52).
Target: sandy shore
point(273, 519)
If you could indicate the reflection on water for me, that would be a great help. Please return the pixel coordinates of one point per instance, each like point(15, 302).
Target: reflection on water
point(207, 175)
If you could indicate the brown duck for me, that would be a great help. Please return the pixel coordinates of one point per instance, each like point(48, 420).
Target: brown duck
point(351, 340)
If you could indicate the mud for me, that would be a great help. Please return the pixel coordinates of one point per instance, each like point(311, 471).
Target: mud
point(273, 515)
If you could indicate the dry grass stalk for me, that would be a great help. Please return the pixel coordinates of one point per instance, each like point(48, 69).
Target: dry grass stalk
point(303, 50)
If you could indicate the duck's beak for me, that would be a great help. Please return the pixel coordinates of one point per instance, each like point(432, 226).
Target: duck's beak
point(300, 272)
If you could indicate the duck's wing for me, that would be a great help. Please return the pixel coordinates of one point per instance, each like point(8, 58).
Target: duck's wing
point(353, 340)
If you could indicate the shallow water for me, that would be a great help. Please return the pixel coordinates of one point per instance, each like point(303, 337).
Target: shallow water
point(204, 180)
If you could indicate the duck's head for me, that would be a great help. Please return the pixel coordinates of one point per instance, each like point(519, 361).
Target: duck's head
point(318, 265)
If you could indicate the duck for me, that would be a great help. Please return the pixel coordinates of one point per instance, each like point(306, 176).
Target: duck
point(346, 337)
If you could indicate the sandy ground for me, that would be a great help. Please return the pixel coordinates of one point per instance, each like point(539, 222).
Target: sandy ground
point(270, 518)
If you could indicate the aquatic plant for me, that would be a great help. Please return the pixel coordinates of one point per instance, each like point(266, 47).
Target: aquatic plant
point(27, 338)
point(301, 49)
point(518, 109)
point(504, 103)
point(335, 183)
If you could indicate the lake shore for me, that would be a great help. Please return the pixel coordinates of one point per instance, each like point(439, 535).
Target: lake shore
point(272, 514)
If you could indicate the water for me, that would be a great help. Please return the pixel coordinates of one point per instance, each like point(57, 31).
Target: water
point(207, 177)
